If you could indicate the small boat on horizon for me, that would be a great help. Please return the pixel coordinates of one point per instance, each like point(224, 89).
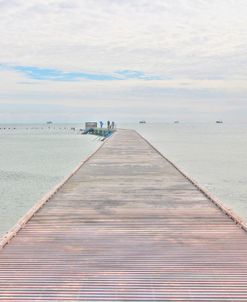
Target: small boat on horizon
point(176, 122)
point(142, 122)
point(49, 123)
point(219, 122)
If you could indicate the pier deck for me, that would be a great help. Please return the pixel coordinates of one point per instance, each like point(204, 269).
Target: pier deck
point(127, 226)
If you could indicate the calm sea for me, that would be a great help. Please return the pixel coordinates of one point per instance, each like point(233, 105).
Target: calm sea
point(33, 158)
point(215, 155)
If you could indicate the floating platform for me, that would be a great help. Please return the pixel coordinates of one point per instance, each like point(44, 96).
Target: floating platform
point(126, 225)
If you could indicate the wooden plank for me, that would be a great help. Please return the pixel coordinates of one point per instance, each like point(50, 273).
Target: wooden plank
point(127, 226)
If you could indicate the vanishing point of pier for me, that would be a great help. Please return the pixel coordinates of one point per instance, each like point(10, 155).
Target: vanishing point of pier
point(126, 226)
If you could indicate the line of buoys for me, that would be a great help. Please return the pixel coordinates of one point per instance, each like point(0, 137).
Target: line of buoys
point(59, 129)
point(35, 128)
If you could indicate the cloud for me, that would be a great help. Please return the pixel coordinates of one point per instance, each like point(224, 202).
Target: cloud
point(162, 37)
point(120, 52)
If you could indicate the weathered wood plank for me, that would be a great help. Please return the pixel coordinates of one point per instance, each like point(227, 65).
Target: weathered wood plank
point(127, 226)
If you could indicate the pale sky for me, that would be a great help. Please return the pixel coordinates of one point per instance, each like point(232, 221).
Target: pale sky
point(160, 60)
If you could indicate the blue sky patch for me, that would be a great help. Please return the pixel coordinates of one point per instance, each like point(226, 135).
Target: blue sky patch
point(50, 74)
point(37, 73)
point(134, 74)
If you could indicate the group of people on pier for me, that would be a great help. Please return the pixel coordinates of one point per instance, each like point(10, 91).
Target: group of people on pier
point(110, 125)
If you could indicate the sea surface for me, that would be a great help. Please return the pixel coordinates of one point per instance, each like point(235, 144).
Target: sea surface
point(34, 158)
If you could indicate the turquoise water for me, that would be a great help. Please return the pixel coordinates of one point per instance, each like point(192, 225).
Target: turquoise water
point(33, 159)
point(215, 155)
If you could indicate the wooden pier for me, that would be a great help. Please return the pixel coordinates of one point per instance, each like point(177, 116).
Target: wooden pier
point(126, 226)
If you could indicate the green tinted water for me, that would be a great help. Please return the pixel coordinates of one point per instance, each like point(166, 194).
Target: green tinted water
point(32, 161)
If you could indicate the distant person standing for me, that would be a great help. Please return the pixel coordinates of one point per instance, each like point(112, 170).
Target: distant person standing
point(101, 124)
point(108, 124)
point(112, 125)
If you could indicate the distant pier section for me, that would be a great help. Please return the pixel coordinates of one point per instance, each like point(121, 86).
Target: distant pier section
point(126, 225)
point(92, 128)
